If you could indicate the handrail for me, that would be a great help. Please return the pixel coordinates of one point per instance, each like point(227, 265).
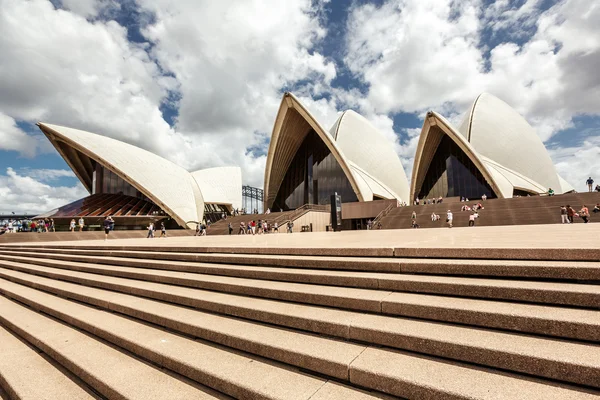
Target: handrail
point(382, 214)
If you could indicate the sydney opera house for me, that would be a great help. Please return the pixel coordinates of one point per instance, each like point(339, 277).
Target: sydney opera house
point(135, 186)
point(494, 151)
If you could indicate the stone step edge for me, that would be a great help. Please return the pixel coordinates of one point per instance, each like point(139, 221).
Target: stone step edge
point(358, 376)
point(563, 297)
point(542, 254)
point(590, 272)
point(541, 367)
point(523, 324)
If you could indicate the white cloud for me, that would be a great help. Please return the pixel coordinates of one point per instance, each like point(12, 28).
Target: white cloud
point(47, 175)
point(576, 163)
point(24, 194)
point(90, 8)
point(13, 138)
point(422, 54)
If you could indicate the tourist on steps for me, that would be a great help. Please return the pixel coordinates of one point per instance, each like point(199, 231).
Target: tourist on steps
point(590, 183)
point(596, 208)
point(163, 230)
point(570, 213)
point(584, 213)
point(563, 215)
point(449, 218)
point(108, 225)
point(150, 230)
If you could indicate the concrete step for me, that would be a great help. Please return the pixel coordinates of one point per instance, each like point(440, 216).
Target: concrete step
point(579, 295)
point(27, 375)
point(234, 373)
point(108, 370)
point(490, 253)
point(579, 363)
point(379, 368)
point(545, 320)
point(229, 264)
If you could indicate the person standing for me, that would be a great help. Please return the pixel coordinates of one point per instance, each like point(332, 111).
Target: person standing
point(584, 213)
point(108, 225)
point(590, 183)
point(449, 218)
point(72, 225)
point(150, 230)
point(413, 215)
point(230, 227)
point(81, 224)
point(276, 227)
point(563, 215)
point(570, 213)
point(163, 230)
point(52, 226)
point(290, 227)
point(242, 228)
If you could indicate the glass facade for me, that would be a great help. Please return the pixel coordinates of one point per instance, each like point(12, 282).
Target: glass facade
point(453, 174)
point(312, 177)
point(106, 181)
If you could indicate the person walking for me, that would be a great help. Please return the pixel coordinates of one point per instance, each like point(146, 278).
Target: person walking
point(163, 230)
point(150, 231)
point(584, 213)
point(570, 213)
point(52, 226)
point(108, 226)
point(81, 224)
point(590, 183)
point(290, 227)
point(472, 218)
point(564, 218)
point(230, 228)
point(275, 227)
point(449, 218)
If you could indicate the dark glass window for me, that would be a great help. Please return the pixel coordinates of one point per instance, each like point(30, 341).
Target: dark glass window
point(452, 174)
point(312, 177)
point(110, 182)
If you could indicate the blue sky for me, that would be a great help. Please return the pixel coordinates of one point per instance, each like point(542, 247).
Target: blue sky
point(200, 82)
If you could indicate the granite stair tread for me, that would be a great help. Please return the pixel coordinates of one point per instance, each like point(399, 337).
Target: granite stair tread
point(30, 376)
point(557, 359)
point(257, 264)
point(581, 295)
point(548, 320)
point(94, 361)
point(372, 368)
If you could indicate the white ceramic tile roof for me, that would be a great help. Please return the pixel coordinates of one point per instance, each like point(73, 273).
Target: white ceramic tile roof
point(502, 144)
point(220, 185)
point(366, 156)
point(168, 185)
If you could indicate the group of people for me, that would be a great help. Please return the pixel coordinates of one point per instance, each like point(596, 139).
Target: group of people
point(568, 213)
point(435, 200)
point(80, 223)
point(26, 225)
point(258, 228)
point(370, 224)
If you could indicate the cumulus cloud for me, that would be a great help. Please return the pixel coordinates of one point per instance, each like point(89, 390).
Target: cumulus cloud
point(13, 138)
point(429, 54)
point(24, 194)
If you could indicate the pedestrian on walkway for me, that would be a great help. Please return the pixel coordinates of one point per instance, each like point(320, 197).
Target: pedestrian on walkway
point(109, 225)
point(449, 218)
point(584, 213)
point(71, 225)
point(81, 224)
point(290, 227)
point(163, 230)
point(150, 230)
point(276, 227)
point(570, 213)
point(564, 218)
point(230, 228)
point(590, 183)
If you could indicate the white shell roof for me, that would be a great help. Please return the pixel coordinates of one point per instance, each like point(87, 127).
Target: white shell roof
point(502, 144)
point(168, 185)
point(501, 134)
point(372, 153)
point(366, 156)
point(220, 185)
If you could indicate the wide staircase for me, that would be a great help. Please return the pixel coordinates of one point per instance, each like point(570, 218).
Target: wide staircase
point(514, 211)
point(222, 227)
point(154, 322)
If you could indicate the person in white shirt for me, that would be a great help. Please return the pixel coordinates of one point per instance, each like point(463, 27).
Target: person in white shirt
point(449, 218)
point(81, 224)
